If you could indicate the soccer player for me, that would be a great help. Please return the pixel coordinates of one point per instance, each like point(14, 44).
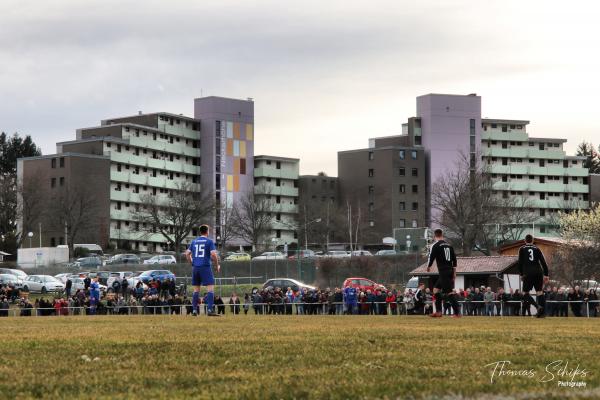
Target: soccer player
point(534, 274)
point(94, 295)
point(443, 254)
point(200, 253)
point(351, 299)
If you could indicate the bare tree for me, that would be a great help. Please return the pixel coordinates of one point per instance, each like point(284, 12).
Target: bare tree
point(74, 211)
point(330, 221)
point(471, 212)
point(30, 210)
point(226, 217)
point(177, 215)
point(253, 217)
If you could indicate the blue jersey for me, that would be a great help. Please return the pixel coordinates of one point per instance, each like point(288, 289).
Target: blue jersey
point(350, 295)
point(201, 249)
point(95, 290)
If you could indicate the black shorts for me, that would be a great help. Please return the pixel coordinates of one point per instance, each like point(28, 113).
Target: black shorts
point(531, 281)
point(445, 281)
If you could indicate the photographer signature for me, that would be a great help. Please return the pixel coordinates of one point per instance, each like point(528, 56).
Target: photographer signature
point(559, 369)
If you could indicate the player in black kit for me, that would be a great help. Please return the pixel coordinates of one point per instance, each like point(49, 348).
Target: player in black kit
point(534, 273)
point(445, 259)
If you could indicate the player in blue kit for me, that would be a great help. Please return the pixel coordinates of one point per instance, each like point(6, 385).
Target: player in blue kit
point(201, 252)
point(351, 299)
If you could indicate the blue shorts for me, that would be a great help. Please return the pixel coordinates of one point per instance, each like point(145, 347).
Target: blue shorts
point(202, 276)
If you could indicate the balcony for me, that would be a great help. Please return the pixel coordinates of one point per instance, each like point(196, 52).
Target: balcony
point(272, 172)
point(523, 152)
point(277, 190)
point(513, 136)
point(125, 233)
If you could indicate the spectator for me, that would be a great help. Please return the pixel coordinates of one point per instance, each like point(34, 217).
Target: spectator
point(125, 288)
point(390, 301)
point(234, 302)
point(220, 305)
point(488, 298)
point(246, 303)
point(68, 286)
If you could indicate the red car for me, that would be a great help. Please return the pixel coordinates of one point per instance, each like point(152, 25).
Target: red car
point(363, 284)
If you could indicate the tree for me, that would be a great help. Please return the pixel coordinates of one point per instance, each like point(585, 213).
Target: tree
point(12, 148)
point(75, 211)
point(470, 211)
point(226, 216)
point(592, 161)
point(253, 216)
point(177, 215)
point(330, 218)
point(578, 257)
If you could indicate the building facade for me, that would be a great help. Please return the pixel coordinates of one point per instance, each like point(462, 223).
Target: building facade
point(276, 181)
point(383, 187)
point(594, 188)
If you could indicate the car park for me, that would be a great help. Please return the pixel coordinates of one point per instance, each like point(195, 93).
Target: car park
point(79, 284)
point(102, 276)
point(285, 283)
point(270, 255)
point(238, 257)
point(386, 253)
point(363, 284)
point(155, 274)
point(161, 259)
point(42, 284)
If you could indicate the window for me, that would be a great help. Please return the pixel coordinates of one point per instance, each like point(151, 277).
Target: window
point(415, 206)
point(278, 199)
point(402, 223)
point(542, 212)
point(415, 188)
point(402, 206)
point(401, 154)
point(413, 154)
point(414, 223)
point(371, 173)
point(505, 145)
point(417, 140)
point(62, 162)
point(278, 217)
point(371, 206)
point(504, 128)
point(402, 188)
point(61, 181)
point(242, 166)
point(371, 189)
point(53, 163)
point(53, 182)
point(370, 155)
point(277, 182)
point(494, 126)
point(278, 233)
point(371, 223)
point(542, 163)
point(415, 172)
point(401, 172)
point(278, 165)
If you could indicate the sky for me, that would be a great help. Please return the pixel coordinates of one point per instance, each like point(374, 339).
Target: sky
point(324, 75)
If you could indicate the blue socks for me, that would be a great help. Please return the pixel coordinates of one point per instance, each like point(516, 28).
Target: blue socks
point(210, 301)
point(195, 301)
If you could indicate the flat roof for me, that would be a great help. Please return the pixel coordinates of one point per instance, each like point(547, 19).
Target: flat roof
point(277, 158)
point(447, 94)
point(398, 147)
point(553, 140)
point(155, 113)
point(68, 154)
point(502, 121)
point(248, 99)
point(96, 139)
point(389, 137)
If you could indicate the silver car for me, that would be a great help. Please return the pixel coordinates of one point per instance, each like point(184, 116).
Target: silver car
point(10, 279)
point(42, 284)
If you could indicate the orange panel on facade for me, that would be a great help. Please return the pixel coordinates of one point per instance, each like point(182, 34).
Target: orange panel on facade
point(236, 130)
point(229, 147)
point(236, 165)
point(243, 148)
point(236, 183)
point(249, 132)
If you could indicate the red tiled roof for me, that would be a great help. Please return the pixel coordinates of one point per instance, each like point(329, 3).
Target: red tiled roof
point(473, 265)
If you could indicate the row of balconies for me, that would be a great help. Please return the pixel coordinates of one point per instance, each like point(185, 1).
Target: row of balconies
point(144, 161)
point(496, 168)
point(547, 187)
point(160, 145)
point(523, 152)
point(146, 180)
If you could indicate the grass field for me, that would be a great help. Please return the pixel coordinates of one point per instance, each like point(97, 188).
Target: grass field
point(276, 357)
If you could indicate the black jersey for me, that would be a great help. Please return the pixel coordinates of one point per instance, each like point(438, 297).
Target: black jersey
point(531, 261)
point(444, 256)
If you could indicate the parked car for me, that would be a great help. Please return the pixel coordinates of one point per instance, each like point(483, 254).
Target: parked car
point(386, 253)
point(361, 253)
point(362, 284)
point(63, 277)
point(119, 276)
point(10, 279)
point(124, 259)
point(12, 271)
point(238, 257)
point(79, 284)
point(270, 255)
point(42, 284)
point(154, 274)
point(412, 284)
point(285, 283)
point(161, 259)
point(102, 276)
point(306, 253)
point(337, 254)
point(91, 248)
point(88, 262)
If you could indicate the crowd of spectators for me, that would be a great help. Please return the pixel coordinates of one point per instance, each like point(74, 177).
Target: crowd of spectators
point(165, 298)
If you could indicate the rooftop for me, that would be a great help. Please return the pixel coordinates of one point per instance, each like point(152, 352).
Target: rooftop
point(473, 265)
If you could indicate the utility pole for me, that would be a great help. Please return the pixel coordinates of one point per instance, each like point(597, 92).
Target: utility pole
point(40, 234)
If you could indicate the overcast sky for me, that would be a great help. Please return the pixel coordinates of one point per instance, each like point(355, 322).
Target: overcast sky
point(325, 75)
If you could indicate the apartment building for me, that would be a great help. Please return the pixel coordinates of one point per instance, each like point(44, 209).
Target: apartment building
point(384, 186)
point(276, 179)
point(534, 171)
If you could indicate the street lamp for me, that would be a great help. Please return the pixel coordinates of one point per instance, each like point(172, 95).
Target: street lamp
point(306, 224)
point(30, 235)
point(408, 242)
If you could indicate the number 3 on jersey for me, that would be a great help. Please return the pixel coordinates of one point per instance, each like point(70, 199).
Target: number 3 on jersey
point(199, 250)
point(530, 254)
point(447, 253)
